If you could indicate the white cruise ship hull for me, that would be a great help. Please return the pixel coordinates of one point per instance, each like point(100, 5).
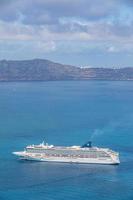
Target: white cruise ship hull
point(43, 158)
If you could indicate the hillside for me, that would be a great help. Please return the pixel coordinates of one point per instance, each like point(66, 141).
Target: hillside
point(45, 70)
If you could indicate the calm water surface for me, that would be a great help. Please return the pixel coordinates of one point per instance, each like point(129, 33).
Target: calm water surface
point(66, 113)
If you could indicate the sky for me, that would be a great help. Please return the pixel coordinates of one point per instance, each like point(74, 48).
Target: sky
point(93, 33)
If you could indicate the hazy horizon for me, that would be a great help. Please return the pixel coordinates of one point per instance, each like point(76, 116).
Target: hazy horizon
point(65, 63)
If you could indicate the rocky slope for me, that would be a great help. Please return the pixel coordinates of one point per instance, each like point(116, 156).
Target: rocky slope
point(45, 70)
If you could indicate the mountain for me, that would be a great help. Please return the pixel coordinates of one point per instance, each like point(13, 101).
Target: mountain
point(45, 70)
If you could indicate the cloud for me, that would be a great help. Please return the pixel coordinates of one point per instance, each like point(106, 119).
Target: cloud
point(78, 26)
point(85, 18)
point(50, 11)
point(112, 49)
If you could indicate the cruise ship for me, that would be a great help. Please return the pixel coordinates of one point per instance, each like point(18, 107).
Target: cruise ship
point(73, 154)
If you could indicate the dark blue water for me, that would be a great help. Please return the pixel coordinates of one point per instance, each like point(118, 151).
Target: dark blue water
point(66, 113)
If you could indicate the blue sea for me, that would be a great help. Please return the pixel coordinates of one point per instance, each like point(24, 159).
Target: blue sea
point(66, 113)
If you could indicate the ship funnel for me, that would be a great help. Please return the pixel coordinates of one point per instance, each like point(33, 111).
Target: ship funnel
point(88, 144)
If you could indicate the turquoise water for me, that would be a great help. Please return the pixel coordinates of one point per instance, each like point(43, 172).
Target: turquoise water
point(66, 113)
